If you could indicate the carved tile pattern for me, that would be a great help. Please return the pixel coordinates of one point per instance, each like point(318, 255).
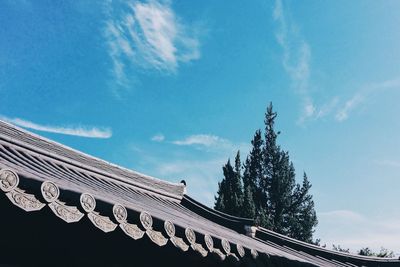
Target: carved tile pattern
point(199, 248)
point(120, 213)
point(102, 222)
point(190, 235)
point(240, 250)
point(67, 213)
point(219, 253)
point(179, 243)
point(9, 180)
point(25, 201)
point(50, 191)
point(132, 230)
point(156, 237)
point(88, 202)
point(209, 242)
point(226, 246)
point(169, 228)
point(146, 220)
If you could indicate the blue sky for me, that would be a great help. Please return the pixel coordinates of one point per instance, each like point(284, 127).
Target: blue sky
point(174, 88)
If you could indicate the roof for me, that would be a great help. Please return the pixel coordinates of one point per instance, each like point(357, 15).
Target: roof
point(38, 174)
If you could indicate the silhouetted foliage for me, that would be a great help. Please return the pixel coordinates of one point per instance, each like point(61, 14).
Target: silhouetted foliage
point(230, 191)
point(366, 252)
point(383, 253)
point(269, 194)
point(340, 249)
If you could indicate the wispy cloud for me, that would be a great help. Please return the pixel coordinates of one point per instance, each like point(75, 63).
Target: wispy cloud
point(296, 58)
point(363, 95)
point(201, 139)
point(201, 170)
point(148, 35)
point(207, 141)
point(158, 138)
point(201, 175)
point(296, 51)
point(343, 112)
point(353, 230)
point(83, 131)
point(296, 61)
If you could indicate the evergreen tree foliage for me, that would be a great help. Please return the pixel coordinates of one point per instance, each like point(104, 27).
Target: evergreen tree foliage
point(269, 193)
point(366, 252)
point(237, 186)
point(248, 207)
point(230, 191)
point(385, 253)
point(253, 171)
point(304, 215)
point(340, 249)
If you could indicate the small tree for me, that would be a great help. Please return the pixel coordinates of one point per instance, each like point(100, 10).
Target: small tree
point(340, 249)
point(366, 252)
point(385, 253)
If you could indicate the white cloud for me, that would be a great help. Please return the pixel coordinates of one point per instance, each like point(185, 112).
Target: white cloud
point(149, 35)
point(343, 113)
point(83, 131)
point(362, 95)
point(296, 58)
point(158, 138)
point(212, 142)
point(296, 51)
point(353, 230)
point(296, 61)
point(201, 170)
point(201, 139)
point(327, 108)
point(201, 176)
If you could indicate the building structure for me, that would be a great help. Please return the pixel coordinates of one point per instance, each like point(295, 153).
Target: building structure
point(73, 209)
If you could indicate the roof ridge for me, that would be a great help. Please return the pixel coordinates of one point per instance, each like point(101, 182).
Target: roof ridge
point(83, 160)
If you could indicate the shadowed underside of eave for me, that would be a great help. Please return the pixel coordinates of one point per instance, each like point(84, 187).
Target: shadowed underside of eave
point(175, 226)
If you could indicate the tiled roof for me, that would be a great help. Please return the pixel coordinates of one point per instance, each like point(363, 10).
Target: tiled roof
point(37, 174)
